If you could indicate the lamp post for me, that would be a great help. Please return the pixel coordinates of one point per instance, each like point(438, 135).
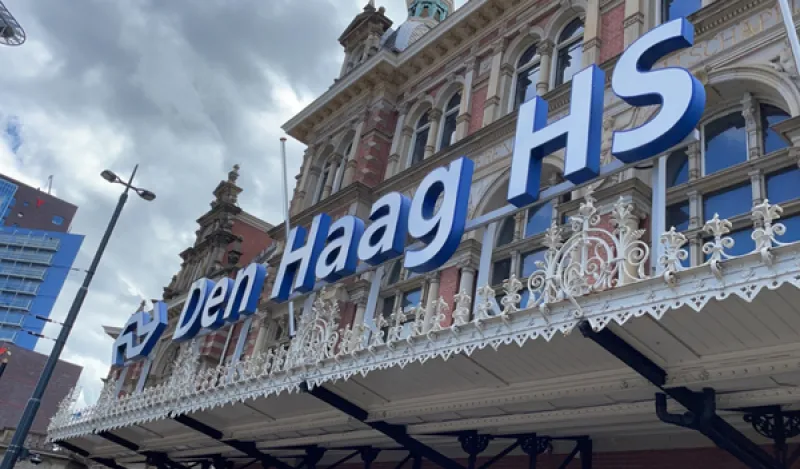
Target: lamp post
point(15, 449)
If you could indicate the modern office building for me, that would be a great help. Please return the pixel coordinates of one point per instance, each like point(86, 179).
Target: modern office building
point(16, 386)
point(647, 318)
point(33, 267)
point(27, 207)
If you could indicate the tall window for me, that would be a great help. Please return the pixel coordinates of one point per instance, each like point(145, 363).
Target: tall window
point(725, 142)
point(527, 76)
point(569, 54)
point(771, 115)
point(337, 179)
point(420, 139)
point(450, 121)
point(672, 9)
point(323, 177)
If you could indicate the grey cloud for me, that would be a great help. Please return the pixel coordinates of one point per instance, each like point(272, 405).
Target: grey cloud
point(176, 86)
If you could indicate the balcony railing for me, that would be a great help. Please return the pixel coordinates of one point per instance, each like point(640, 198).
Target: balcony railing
point(25, 256)
point(11, 319)
point(597, 273)
point(10, 270)
point(29, 241)
point(18, 286)
point(16, 303)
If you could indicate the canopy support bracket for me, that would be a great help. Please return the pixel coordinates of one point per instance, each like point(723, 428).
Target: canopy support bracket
point(397, 433)
point(701, 415)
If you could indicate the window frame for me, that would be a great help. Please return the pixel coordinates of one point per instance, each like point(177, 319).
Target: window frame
point(419, 129)
point(448, 112)
point(534, 62)
point(565, 44)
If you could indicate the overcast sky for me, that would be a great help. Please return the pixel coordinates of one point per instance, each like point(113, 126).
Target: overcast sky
point(185, 88)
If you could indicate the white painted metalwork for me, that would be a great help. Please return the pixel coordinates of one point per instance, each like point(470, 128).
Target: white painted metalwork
point(597, 273)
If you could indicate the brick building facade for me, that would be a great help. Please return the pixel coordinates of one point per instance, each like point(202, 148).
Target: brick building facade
point(552, 323)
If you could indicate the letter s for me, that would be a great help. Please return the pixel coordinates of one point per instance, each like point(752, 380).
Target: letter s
point(681, 95)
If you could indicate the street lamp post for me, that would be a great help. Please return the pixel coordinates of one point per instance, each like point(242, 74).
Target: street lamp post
point(15, 449)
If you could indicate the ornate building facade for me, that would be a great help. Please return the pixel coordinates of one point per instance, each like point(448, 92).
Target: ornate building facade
point(574, 331)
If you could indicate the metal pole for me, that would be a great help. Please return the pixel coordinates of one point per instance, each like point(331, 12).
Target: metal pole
point(287, 224)
point(25, 422)
point(791, 31)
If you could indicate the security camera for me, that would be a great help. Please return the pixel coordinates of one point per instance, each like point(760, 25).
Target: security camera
point(35, 459)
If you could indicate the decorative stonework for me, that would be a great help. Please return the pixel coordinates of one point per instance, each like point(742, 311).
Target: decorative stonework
point(596, 274)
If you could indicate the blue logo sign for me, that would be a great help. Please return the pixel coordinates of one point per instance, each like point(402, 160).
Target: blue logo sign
point(140, 334)
point(437, 214)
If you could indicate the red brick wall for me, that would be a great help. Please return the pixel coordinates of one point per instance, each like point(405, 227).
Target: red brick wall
point(476, 109)
point(213, 345)
point(612, 33)
point(254, 241)
point(448, 288)
point(373, 150)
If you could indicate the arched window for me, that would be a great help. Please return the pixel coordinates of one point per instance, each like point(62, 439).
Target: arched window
point(505, 234)
point(771, 115)
point(337, 180)
point(420, 139)
point(677, 168)
point(725, 142)
point(672, 9)
point(569, 53)
point(323, 178)
point(449, 121)
point(527, 76)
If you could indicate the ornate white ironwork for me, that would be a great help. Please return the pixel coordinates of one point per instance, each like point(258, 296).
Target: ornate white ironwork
point(673, 254)
point(715, 249)
point(764, 236)
point(597, 273)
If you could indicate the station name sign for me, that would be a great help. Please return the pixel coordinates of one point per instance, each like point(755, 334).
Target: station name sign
point(437, 214)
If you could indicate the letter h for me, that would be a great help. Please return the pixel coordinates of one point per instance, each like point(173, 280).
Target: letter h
point(580, 132)
point(298, 264)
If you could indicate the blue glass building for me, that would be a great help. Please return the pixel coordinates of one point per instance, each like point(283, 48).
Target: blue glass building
point(33, 267)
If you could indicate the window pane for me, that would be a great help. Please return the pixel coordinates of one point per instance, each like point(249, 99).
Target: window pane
point(526, 86)
point(454, 102)
point(729, 202)
point(419, 146)
point(676, 8)
point(771, 115)
point(726, 142)
point(569, 62)
point(394, 275)
point(448, 130)
point(529, 261)
point(539, 219)
point(792, 225)
point(783, 185)
point(743, 243)
point(677, 168)
point(574, 29)
point(678, 216)
point(423, 120)
point(506, 234)
point(501, 271)
point(387, 309)
point(412, 299)
point(527, 56)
